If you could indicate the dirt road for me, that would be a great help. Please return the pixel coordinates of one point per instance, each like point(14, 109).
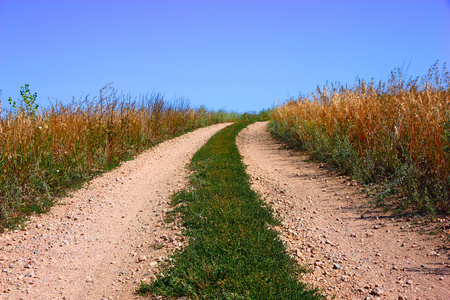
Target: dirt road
point(355, 252)
point(104, 239)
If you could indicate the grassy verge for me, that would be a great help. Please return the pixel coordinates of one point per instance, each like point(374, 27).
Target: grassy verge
point(45, 153)
point(394, 137)
point(232, 251)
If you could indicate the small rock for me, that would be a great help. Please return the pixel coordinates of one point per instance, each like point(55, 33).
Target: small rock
point(402, 298)
point(376, 227)
point(318, 263)
point(38, 225)
point(376, 291)
point(89, 279)
point(336, 266)
point(409, 281)
point(153, 264)
point(142, 258)
point(432, 253)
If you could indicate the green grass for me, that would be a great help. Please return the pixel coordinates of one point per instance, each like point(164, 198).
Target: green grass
point(232, 252)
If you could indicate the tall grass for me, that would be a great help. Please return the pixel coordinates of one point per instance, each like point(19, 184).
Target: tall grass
point(64, 145)
point(394, 134)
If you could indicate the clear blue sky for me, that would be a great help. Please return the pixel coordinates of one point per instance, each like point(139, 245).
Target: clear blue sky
point(239, 55)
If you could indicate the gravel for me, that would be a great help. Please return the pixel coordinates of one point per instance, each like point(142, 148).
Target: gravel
point(79, 248)
point(360, 258)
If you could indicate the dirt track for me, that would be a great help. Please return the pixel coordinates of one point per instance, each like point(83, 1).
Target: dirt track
point(101, 242)
point(355, 252)
point(106, 238)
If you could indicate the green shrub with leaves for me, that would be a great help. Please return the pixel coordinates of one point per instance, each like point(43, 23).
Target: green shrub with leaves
point(27, 105)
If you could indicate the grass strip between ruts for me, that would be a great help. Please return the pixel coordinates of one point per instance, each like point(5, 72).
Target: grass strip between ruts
point(232, 252)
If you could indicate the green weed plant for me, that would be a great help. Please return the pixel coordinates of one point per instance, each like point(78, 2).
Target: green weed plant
point(27, 105)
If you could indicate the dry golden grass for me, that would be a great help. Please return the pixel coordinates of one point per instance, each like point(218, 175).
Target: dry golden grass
point(396, 134)
point(41, 156)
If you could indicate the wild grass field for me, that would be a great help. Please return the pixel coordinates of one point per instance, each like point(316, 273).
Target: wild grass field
point(45, 152)
point(392, 136)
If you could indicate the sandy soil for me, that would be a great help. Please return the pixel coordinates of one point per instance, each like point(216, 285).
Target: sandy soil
point(356, 252)
point(100, 242)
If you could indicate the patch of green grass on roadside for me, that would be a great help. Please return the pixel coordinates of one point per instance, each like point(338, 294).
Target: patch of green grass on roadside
point(232, 252)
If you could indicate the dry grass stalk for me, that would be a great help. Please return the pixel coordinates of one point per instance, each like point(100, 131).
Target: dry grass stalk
point(395, 133)
point(67, 144)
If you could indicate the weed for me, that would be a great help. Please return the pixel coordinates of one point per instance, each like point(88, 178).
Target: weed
point(44, 153)
point(27, 105)
point(395, 135)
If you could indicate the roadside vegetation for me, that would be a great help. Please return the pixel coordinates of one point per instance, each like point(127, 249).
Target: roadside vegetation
point(233, 252)
point(393, 137)
point(45, 152)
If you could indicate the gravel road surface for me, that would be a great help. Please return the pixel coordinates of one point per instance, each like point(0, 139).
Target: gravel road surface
point(354, 250)
point(102, 240)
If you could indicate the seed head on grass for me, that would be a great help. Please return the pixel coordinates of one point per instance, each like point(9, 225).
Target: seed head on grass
point(43, 153)
point(392, 134)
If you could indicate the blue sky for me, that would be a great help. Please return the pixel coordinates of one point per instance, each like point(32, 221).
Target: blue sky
point(239, 55)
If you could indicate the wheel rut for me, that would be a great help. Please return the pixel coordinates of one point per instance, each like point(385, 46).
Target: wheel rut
point(102, 240)
point(354, 250)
